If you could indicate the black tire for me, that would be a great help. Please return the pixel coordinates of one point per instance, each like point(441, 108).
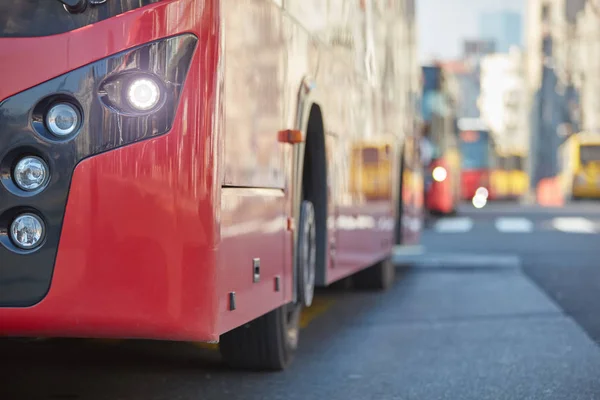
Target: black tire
point(400, 205)
point(266, 344)
point(306, 254)
point(380, 276)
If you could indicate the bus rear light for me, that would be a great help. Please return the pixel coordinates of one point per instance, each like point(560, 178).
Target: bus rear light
point(27, 231)
point(62, 119)
point(31, 173)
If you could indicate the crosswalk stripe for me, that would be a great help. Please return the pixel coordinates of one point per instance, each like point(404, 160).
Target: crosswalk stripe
point(513, 225)
point(454, 225)
point(574, 225)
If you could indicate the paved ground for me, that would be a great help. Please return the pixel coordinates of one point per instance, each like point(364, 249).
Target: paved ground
point(502, 306)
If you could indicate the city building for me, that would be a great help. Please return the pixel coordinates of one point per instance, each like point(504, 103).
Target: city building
point(501, 27)
point(503, 99)
point(587, 60)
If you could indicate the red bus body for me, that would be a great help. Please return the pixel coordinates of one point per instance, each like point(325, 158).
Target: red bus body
point(155, 232)
point(471, 180)
point(439, 114)
point(478, 160)
point(440, 195)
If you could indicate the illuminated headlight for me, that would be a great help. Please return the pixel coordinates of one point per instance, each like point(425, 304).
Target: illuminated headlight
point(482, 192)
point(479, 201)
point(27, 231)
point(62, 119)
point(143, 94)
point(31, 173)
point(439, 174)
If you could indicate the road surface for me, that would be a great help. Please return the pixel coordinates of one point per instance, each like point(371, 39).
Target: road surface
point(501, 306)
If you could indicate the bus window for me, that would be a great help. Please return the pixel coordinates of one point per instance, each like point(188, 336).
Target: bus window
point(589, 153)
point(474, 155)
point(370, 155)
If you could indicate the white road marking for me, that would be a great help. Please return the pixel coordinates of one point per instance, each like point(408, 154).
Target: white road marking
point(454, 225)
point(467, 261)
point(514, 225)
point(574, 225)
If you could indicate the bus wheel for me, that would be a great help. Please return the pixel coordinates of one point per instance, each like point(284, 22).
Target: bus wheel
point(269, 342)
point(266, 344)
point(377, 277)
point(307, 254)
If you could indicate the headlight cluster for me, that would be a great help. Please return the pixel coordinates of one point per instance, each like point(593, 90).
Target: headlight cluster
point(62, 119)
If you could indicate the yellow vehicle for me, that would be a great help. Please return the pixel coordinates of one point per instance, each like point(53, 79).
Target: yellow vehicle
point(518, 178)
point(500, 178)
point(580, 166)
point(371, 170)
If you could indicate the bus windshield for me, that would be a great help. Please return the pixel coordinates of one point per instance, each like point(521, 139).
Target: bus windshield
point(33, 18)
point(589, 153)
point(474, 154)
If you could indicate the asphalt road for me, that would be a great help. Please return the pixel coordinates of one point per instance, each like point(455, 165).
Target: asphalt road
point(501, 306)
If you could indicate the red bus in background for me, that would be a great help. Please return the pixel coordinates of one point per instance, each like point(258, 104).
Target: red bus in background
point(442, 192)
point(478, 162)
point(178, 169)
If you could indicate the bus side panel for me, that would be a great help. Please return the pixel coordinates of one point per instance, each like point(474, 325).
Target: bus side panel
point(255, 203)
point(254, 235)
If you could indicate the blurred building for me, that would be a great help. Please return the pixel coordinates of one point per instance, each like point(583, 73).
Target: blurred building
point(466, 72)
point(552, 80)
point(587, 66)
point(501, 27)
point(503, 99)
point(556, 20)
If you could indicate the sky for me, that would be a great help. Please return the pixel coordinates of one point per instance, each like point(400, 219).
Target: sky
point(443, 24)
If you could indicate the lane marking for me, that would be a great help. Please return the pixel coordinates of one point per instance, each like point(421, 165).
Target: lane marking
point(318, 307)
point(513, 225)
point(574, 225)
point(468, 261)
point(454, 225)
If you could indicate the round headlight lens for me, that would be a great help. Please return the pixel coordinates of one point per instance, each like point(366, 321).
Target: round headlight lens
point(27, 231)
point(31, 173)
point(62, 119)
point(143, 94)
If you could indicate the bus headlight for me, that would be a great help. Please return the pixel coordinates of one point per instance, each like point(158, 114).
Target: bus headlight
point(439, 174)
point(143, 94)
point(62, 119)
point(479, 201)
point(482, 192)
point(31, 173)
point(27, 231)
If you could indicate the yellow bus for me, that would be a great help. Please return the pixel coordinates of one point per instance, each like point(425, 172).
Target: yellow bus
point(580, 166)
point(499, 178)
point(518, 178)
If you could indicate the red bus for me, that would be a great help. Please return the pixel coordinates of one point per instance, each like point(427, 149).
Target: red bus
point(178, 169)
point(478, 161)
point(443, 172)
